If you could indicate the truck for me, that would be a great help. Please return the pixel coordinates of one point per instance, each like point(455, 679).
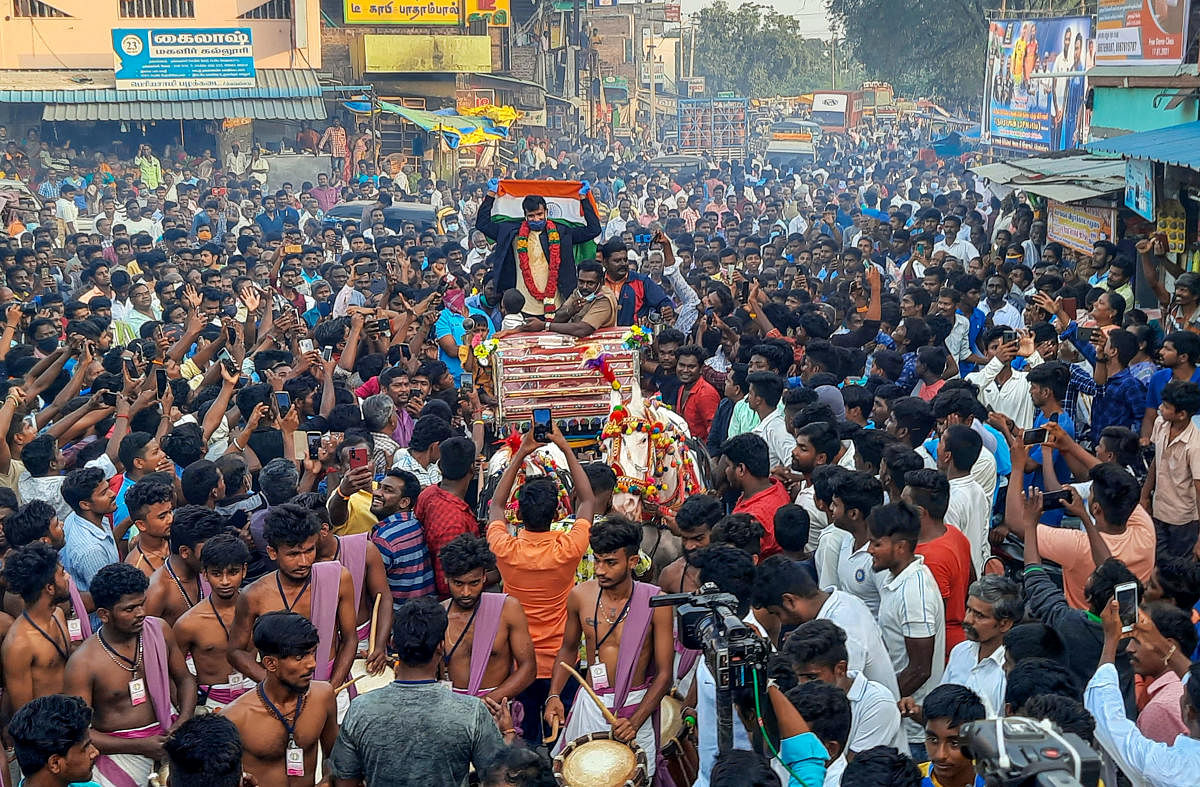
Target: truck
point(837, 111)
point(792, 139)
point(879, 102)
point(718, 127)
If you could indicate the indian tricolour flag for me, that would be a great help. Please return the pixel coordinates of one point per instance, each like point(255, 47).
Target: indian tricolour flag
point(562, 205)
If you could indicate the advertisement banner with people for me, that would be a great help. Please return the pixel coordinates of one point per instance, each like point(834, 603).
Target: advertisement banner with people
point(1141, 32)
point(1035, 85)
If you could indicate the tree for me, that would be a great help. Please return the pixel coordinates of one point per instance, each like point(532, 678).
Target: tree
point(929, 48)
point(754, 51)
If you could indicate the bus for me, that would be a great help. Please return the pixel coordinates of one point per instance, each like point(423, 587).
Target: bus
point(792, 139)
point(879, 101)
point(837, 110)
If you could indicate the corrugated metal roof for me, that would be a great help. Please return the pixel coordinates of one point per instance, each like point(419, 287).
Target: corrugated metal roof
point(257, 108)
point(1065, 177)
point(95, 86)
point(1178, 145)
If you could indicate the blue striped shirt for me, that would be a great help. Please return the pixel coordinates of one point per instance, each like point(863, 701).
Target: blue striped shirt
point(405, 556)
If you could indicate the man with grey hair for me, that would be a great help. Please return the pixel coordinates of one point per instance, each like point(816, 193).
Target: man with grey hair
point(994, 606)
point(379, 416)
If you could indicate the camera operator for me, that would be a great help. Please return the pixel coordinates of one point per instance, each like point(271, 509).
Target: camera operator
point(732, 571)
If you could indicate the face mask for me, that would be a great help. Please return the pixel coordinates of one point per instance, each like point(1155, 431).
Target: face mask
point(451, 228)
point(47, 345)
point(537, 226)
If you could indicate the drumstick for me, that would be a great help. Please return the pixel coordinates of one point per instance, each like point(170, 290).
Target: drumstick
point(348, 684)
point(374, 621)
point(608, 715)
point(553, 732)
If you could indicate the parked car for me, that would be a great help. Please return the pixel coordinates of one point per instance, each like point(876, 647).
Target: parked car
point(419, 213)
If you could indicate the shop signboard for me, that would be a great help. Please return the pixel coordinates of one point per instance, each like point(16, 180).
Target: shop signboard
point(398, 12)
point(1139, 187)
point(1035, 84)
point(496, 12)
point(1078, 227)
point(1141, 32)
point(183, 59)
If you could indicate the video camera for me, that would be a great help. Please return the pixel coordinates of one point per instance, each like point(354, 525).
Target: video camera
point(707, 622)
point(1019, 752)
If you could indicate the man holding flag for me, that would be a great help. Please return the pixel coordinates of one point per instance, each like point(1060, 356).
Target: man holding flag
point(535, 253)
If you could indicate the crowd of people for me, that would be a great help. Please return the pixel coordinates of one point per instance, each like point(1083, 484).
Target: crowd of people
point(954, 475)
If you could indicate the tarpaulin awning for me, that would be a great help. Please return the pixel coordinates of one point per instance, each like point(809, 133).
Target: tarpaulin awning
point(278, 94)
point(1070, 177)
point(456, 129)
point(1177, 145)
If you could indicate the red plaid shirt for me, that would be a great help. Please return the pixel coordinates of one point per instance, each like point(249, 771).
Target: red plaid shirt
point(443, 518)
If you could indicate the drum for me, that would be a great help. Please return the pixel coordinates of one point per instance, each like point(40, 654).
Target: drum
point(678, 748)
point(600, 760)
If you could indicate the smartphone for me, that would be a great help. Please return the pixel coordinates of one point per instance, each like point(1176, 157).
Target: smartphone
point(357, 457)
point(406, 351)
point(108, 398)
point(744, 291)
point(299, 445)
point(230, 335)
point(160, 380)
point(327, 353)
point(1070, 306)
point(541, 424)
point(467, 383)
point(306, 345)
point(1009, 337)
point(384, 325)
point(729, 272)
point(1127, 604)
point(444, 285)
point(1086, 334)
point(293, 249)
point(415, 393)
point(313, 440)
point(283, 401)
point(1052, 501)
point(229, 365)
point(130, 368)
point(1034, 436)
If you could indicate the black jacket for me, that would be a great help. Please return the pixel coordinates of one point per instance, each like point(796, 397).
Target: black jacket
point(1081, 633)
point(504, 261)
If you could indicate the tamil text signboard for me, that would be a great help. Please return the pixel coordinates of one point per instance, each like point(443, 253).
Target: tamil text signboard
point(183, 59)
point(1141, 32)
point(1035, 87)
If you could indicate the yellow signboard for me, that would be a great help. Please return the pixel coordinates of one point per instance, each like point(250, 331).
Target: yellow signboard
point(446, 53)
point(405, 12)
point(792, 136)
point(496, 12)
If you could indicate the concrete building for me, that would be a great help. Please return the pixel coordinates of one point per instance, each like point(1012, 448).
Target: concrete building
point(59, 63)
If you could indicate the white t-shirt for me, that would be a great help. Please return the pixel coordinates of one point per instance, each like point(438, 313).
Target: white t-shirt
point(856, 576)
point(875, 717)
point(910, 607)
point(864, 640)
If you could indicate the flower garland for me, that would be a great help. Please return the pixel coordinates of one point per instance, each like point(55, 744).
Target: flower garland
point(555, 241)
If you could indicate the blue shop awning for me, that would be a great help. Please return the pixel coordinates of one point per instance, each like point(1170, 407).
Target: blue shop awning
point(279, 94)
point(1177, 145)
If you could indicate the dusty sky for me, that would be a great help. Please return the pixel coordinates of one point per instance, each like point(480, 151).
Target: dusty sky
point(810, 15)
